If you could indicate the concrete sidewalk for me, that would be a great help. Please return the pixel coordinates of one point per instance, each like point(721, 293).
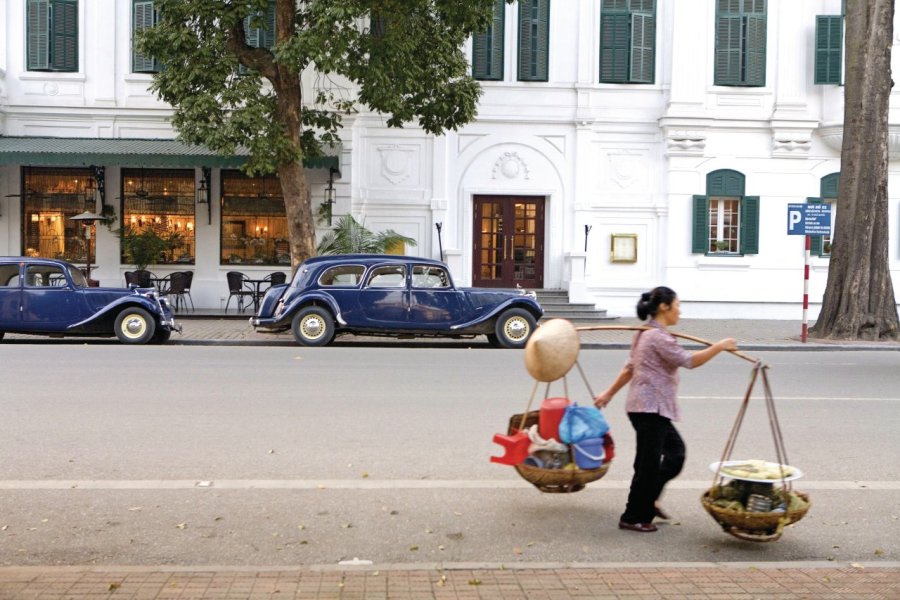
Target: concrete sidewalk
point(704, 581)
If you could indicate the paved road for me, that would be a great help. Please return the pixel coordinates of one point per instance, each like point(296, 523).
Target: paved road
point(116, 464)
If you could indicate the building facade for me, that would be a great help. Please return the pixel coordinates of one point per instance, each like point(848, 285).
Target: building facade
point(619, 145)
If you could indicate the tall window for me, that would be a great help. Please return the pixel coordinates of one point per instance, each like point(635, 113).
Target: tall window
point(162, 201)
point(259, 30)
point(254, 222)
point(627, 41)
point(143, 16)
point(487, 47)
point(52, 197)
point(820, 245)
point(534, 39)
point(829, 48)
point(725, 221)
point(740, 43)
point(52, 35)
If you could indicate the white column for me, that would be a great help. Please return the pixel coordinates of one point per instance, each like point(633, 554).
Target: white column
point(691, 31)
point(790, 52)
point(99, 50)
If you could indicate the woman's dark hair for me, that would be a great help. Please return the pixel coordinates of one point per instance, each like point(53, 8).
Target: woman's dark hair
point(649, 303)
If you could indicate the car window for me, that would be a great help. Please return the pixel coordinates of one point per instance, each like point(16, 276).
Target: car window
point(9, 275)
point(342, 275)
point(388, 276)
point(44, 276)
point(77, 276)
point(424, 276)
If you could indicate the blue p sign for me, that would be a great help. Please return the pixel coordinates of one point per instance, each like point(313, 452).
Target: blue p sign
point(796, 219)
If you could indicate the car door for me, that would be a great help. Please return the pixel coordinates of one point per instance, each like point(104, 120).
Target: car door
point(49, 301)
point(434, 302)
point(10, 295)
point(384, 297)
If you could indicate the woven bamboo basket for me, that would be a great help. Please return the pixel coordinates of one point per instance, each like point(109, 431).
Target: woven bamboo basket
point(553, 481)
point(754, 526)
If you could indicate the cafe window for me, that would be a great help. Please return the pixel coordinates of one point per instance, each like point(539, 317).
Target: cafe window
point(254, 223)
point(51, 198)
point(161, 201)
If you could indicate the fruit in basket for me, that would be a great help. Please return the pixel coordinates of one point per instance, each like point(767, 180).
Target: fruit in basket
point(757, 469)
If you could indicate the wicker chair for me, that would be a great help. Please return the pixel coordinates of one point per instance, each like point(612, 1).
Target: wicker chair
point(188, 279)
point(175, 286)
point(238, 286)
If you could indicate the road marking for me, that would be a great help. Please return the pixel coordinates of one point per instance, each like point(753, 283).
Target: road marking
point(795, 398)
point(385, 484)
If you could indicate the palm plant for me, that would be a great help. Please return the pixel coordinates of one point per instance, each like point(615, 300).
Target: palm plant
point(351, 237)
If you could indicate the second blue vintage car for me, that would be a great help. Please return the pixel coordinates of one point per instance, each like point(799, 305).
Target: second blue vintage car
point(44, 296)
point(398, 296)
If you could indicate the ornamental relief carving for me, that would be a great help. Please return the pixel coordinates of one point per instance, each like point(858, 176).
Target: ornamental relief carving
point(511, 166)
point(395, 163)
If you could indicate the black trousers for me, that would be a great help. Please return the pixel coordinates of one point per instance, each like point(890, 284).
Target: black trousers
point(659, 457)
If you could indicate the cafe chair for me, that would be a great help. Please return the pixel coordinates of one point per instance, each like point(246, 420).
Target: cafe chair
point(130, 279)
point(188, 279)
point(174, 289)
point(238, 286)
point(144, 278)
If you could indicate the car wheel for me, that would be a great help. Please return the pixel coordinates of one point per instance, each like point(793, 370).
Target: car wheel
point(514, 327)
point(135, 326)
point(161, 336)
point(2, 333)
point(313, 326)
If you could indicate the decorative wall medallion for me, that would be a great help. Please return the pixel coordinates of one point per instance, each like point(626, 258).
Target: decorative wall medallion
point(624, 169)
point(511, 166)
point(395, 163)
point(51, 88)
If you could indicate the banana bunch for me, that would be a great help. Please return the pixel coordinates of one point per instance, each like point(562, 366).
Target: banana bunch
point(757, 469)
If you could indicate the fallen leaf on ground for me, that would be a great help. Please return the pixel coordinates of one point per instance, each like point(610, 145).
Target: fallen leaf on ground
point(474, 582)
point(181, 526)
point(113, 587)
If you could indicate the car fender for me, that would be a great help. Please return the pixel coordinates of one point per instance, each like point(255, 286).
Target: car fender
point(313, 297)
point(519, 302)
point(114, 307)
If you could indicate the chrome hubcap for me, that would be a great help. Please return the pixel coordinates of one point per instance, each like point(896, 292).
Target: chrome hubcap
point(516, 328)
point(135, 326)
point(312, 327)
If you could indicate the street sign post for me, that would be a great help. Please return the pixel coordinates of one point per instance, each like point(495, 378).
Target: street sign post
point(807, 220)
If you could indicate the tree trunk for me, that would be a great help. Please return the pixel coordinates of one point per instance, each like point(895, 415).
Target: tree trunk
point(301, 231)
point(859, 297)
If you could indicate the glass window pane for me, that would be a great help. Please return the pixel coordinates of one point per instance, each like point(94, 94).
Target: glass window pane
point(52, 198)
point(161, 201)
point(254, 221)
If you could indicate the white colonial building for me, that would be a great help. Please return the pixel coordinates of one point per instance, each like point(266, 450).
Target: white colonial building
point(619, 145)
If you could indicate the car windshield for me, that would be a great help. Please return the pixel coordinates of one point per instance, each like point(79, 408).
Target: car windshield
point(77, 276)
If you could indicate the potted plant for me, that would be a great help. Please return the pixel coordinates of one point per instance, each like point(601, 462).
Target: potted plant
point(350, 237)
point(722, 246)
point(147, 246)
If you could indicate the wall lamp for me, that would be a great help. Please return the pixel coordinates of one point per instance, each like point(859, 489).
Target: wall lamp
point(204, 192)
point(328, 201)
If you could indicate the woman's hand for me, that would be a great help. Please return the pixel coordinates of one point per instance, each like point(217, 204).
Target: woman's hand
point(603, 399)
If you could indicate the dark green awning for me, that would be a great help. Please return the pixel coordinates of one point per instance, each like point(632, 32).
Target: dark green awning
point(83, 152)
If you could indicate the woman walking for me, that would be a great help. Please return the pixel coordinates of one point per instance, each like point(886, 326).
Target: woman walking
point(652, 404)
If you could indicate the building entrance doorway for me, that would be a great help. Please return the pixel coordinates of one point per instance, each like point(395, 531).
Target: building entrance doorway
point(508, 234)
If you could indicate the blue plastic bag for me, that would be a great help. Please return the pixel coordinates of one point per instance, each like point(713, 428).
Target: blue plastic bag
point(582, 422)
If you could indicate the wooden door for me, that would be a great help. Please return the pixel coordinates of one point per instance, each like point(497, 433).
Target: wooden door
point(508, 234)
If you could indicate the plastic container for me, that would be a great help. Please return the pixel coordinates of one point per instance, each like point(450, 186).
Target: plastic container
point(551, 413)
point(589, 453)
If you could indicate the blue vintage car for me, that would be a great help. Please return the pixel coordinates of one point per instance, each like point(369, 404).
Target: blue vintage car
point(399, 296)
point(51, 297)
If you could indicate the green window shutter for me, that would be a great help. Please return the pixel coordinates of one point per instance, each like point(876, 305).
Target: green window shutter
point(534, 38)
point(725, 182)
point(37, 15)
point(643, 48)
point(267, 35)
point(829, 49)
point(614, 47)
point(750, 225)
point(700, 225)
point(755, 51)
point(828, 186)
point(487, 47)
point(815, 241)
point(64, 31)
point(728, 51)
point(143, 16)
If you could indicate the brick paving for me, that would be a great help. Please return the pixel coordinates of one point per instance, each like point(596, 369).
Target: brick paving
point(695, 582)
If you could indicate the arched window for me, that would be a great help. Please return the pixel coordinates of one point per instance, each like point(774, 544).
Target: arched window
point(725, 221)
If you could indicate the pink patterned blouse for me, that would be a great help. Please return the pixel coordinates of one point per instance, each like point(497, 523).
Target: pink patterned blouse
point(654, 361)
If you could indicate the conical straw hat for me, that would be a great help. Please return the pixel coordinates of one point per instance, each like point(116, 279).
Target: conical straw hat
point(552, 350)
